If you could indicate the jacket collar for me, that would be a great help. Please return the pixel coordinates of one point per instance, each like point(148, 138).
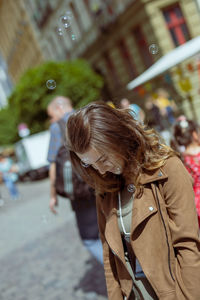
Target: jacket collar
point(154, 175)
point(148, 177)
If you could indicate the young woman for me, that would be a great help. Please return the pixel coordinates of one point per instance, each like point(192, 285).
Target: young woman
point(187, 134)
point(145, 203)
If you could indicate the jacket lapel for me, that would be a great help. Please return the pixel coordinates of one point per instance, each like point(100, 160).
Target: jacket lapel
point(114, 237)
point(145, 206)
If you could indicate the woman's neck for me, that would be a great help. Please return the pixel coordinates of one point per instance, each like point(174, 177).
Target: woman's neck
point(192, 149)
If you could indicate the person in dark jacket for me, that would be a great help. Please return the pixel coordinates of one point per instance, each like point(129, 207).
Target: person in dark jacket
point(85, 212)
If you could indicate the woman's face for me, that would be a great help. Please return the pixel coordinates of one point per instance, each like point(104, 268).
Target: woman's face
point(102, 162)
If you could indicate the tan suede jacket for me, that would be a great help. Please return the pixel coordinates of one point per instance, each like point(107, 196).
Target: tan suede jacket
point(164, 236)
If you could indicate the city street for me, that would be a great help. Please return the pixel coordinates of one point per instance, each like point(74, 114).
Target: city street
point(41, 254)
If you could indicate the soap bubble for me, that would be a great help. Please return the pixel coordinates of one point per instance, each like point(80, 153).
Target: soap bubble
point(59, 30)
point(51, 84)
point(153, 49)
point(66, 19)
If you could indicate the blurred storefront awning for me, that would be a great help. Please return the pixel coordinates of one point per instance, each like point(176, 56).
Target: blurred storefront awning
point(168, 61)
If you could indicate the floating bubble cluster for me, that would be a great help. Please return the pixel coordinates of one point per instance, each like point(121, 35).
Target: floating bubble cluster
point(153, 49)
point(66, 22)
point(51, 84)
point(66, 19)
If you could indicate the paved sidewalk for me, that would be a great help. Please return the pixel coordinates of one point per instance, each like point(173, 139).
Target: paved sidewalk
point(42, 256)
point(55, 267)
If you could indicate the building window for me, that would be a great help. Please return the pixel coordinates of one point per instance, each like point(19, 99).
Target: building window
point(176, 25)
point(127, 58)
point(142, 46)
point(111, 69)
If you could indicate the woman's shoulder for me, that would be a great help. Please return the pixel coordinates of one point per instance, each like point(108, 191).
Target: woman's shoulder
point(176, 172)
point(173, 164)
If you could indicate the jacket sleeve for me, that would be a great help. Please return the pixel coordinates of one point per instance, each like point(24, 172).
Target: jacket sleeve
point(112, 283)
point(179, 200)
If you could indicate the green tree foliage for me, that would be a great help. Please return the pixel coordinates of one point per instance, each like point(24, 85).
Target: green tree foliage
point(28, 102)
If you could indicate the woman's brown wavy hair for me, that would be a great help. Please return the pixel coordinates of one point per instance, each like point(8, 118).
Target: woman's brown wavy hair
point(114, 132)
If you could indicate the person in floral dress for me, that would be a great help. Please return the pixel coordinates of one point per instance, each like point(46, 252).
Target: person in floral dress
point(187, 134)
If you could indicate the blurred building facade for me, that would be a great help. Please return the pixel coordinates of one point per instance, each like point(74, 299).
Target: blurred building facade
point(116, 37)
point(120, 38)
point(18, 46)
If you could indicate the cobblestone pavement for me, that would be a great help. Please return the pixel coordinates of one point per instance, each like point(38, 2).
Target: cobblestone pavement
point(42, 257)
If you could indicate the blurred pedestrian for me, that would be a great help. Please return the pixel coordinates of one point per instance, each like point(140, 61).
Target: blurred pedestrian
point(136, 111)
point(145, 204)
point(187, 134)
point(8, 173)
point(60, 108)
point(153, 117)
point(166, 105)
